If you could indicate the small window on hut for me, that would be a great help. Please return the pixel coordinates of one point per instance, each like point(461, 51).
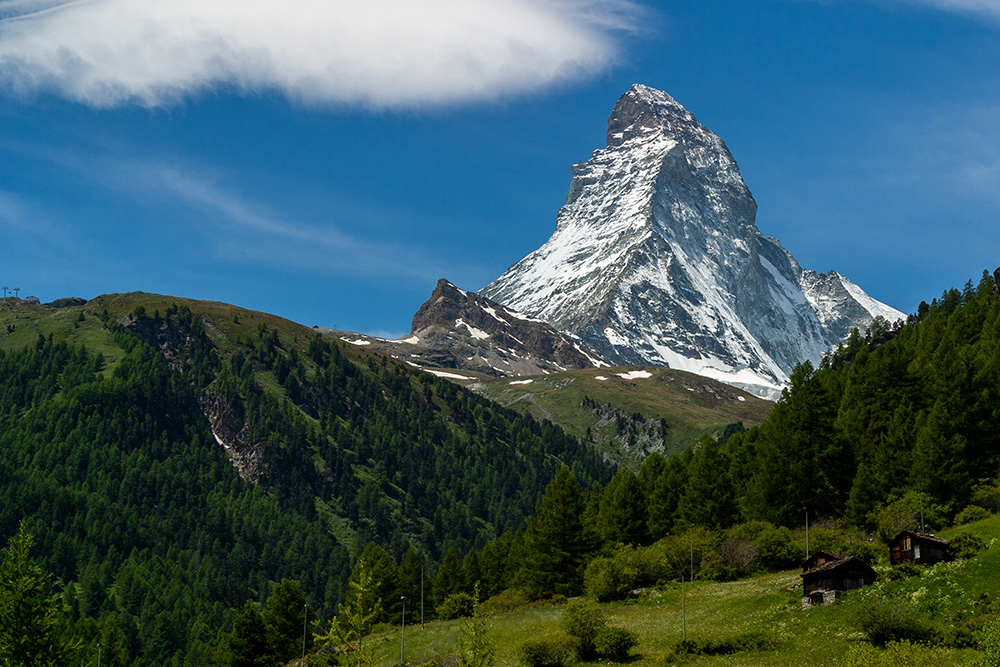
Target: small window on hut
point(906, 544)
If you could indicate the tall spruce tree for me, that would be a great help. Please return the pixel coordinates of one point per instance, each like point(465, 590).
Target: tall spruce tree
point(30, 614)
point(556, 542)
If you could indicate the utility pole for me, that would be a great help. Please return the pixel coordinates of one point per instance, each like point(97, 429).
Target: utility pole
point(305, 617)
point(402, 631)
point(922, 529)
point(99, 645)
point(4, 288)
point(684, 615)
point(421, 596)
point(16, 291)
point(807, 534)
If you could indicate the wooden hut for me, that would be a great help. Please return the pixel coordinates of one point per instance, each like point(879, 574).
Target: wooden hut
point(918, 548)
point(825, 575)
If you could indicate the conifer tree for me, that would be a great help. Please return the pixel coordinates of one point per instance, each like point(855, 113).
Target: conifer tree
point(708, 498)
point(624, 514)
point(556, 542)
point(30, 614)
point(354, 621)
point(284, 616)
point(448, 579)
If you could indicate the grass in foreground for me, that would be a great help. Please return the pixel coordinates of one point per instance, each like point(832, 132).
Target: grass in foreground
point(768, 604)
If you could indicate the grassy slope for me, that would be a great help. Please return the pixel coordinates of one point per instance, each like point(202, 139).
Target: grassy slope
point(691, 405)
point(225, 322)
point(770, 603)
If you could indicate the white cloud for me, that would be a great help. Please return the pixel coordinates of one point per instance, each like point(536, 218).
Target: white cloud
point(988, 7)
point(374, 53)
point(241, 230)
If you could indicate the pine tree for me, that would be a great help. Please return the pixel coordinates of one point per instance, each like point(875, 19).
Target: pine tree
point(248, 645)
point(624, 513)
point(284, 617)
point(556, 542)
point(708, 499)
point(354, 621)
point(30, 615)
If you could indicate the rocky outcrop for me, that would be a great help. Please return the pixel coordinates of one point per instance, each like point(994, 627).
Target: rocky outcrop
point(232, 432)
point(66, 302)
point(465, 331)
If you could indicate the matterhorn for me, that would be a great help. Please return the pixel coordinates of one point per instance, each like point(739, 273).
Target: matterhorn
point(657, 260)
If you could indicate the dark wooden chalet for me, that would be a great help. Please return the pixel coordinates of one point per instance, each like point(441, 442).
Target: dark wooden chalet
point(918, 548)
point(825, 575)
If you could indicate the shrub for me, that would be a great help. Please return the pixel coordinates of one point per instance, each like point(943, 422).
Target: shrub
point(776, 549)
point(548, 652)
point(748, 641)
point(895, 654)
point(558, 598)
point(508, 600)
point(970, 514)
point(607, 579)
point(715, 568)
point(987, 496)
point(456, 605)
point(989, 644)
point(904, 514)
point(615, 643)
point(583, 620)
point(902, 571)
point(967, 545)
point(890, 620)
point(739, 555)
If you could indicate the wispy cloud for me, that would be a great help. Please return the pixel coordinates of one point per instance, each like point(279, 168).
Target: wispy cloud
point(243, 231)
point(376, 53)
point(989, 8)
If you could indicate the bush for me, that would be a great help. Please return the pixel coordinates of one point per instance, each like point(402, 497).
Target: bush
point(966, 545)
point(508, 600)
point(902, 571)
point(615, 643)
point(549, 652)
point(970, 514)
point(987, 496)
point(583, 620)
point(739, 555)
point(904, 514)
point(456, 605)
point(894, 655)
point(607, 579)
point(884, 620)
point(989, 644)
point(748, 641)
point(776, 549)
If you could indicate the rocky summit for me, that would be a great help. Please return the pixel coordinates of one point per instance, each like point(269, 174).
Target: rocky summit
point(656, 259)
point(463, 330)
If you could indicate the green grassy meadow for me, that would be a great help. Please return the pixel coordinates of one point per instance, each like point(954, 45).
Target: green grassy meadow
point(771, 603)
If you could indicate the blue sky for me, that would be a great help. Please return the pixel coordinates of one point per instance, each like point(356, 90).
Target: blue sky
point(328, 162)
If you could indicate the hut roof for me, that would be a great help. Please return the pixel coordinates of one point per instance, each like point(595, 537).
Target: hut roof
point(923, 537)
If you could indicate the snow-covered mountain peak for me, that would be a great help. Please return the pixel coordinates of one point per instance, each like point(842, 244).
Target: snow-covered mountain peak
point(656, 259)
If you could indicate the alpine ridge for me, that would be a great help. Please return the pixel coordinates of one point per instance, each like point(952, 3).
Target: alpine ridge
point(657, 260)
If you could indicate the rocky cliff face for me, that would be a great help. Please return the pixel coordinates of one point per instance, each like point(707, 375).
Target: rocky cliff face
point(657, 260)
point(462, 330)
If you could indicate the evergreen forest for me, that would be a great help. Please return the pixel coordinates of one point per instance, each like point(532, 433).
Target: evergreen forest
point(363, 477)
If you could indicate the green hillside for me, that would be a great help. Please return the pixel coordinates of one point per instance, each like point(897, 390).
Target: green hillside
point(629, 412)
point(958, 596)
point(111, 415)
